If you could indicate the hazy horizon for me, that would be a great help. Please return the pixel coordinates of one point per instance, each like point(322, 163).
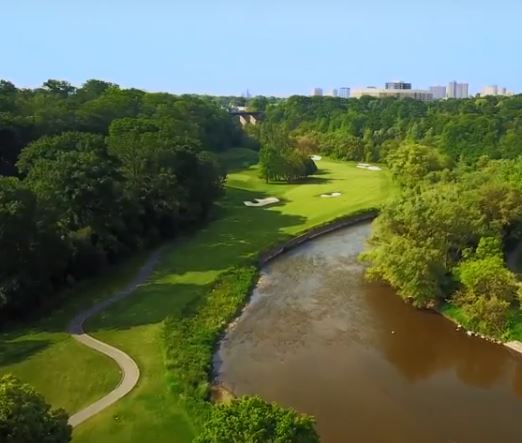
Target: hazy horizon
point(227, 47)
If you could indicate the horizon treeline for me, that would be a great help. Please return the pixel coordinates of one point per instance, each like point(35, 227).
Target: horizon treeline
point(367, 129)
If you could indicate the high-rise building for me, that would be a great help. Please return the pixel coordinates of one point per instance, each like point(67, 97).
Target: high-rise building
point(399, 84)
point(494, 90)
point(457, 90)
point(344, 92)
point(332, 93)
point(317, 92)
point(439, 92)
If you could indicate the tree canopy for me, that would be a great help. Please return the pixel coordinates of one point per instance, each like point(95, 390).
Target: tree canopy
point(25, 417)
point(88, 174)
point(250, 419)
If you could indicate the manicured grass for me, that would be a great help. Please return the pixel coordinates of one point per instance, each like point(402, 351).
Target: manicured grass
point(43, 355)
point(187, 270)
point(239, 158)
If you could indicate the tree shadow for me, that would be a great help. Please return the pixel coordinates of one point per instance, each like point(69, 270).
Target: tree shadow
point(311, 180)
point(191, 263)
point(15, 351)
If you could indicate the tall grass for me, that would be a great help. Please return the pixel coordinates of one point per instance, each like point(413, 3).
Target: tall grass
point(190, 340)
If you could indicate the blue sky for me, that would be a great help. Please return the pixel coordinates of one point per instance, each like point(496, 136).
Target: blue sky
point(269, 46)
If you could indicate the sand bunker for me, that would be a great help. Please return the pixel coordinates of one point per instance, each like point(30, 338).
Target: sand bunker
point(368, 167)
point(262, 201)
point(316, 157)
point(331, 195)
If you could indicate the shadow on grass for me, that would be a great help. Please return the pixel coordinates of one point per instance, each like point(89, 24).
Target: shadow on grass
point(312, 180)
point(190, 264)
point(14, 352)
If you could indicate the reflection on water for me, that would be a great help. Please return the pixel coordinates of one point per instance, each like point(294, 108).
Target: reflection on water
point(370, 368)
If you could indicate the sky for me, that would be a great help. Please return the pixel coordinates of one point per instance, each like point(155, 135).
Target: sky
point(271, 47)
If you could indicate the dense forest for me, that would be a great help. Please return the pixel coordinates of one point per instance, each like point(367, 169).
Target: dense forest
point(89, 174)
point(367, 129)
point(442, 241)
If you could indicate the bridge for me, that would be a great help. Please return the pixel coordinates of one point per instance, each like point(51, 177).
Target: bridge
point(246, 117)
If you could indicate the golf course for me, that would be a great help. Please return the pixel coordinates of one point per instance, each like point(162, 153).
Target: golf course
point(73, 376)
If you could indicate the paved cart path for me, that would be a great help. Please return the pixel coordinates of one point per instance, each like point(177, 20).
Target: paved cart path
point(129, 368)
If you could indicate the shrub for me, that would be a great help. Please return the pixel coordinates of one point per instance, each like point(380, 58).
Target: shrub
point(252, 420)
point(25, 417)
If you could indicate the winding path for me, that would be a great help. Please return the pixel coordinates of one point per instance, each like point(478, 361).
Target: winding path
point(129, 369)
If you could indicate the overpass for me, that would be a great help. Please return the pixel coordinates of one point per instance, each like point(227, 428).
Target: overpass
point(246, 117)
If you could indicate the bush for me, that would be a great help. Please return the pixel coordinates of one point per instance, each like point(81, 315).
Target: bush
point(25, 417)
point(252, 420)
point(190, 341)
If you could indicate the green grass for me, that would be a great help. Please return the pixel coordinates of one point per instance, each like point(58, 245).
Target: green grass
point(187, 270)
point(239, 158)
point(38, 352)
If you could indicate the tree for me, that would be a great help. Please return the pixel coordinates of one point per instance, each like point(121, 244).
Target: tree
point(32, 252)
point(411, 163)
point(488, 289)
point(25, 417)
point(250, 419)
point(59, 87)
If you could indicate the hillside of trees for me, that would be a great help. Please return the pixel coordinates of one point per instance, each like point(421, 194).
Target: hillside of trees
point(89, 174)
point(458, 163)
point(367, 129)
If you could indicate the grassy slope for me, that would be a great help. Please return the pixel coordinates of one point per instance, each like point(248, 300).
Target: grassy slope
point(187, 268)
point(37, 352)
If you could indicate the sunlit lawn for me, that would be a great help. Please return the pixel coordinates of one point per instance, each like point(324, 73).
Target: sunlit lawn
point(150, 413)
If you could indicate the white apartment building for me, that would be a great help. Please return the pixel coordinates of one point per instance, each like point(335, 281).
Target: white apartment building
point(494, 90)
point(457, 90)
point(439, 92)
point(317, 92)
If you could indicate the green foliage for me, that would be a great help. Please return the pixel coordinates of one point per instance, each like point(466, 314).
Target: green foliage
point(83, 199)
point(368, 129)
point(190, 340)
point(250, 419)
point(25, 417)
point(488, 288)
point(410, 163)
point(281, 160)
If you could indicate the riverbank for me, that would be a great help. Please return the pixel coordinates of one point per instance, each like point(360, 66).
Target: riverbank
point(219, 393)
point(318, 337)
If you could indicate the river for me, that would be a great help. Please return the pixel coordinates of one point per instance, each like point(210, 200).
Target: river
point(319, 338)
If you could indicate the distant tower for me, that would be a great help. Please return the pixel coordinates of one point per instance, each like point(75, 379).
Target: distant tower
point(317, 92)
point(344, 92)
point(457, 90)
point(439, 92)
point(398, 84)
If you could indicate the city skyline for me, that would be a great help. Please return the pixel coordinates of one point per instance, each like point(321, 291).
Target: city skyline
point(273, 48)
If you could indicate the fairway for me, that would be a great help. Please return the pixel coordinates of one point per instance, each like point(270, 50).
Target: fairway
point(72, 376)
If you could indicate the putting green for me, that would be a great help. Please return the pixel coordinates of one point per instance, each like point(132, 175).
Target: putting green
point(188, 266)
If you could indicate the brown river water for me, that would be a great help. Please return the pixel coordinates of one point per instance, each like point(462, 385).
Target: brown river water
point(319, 338)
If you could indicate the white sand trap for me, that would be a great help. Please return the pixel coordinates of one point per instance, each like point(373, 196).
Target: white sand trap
point(331, 195)
point(368, 167)
point(262, 201)
point(316, 158)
